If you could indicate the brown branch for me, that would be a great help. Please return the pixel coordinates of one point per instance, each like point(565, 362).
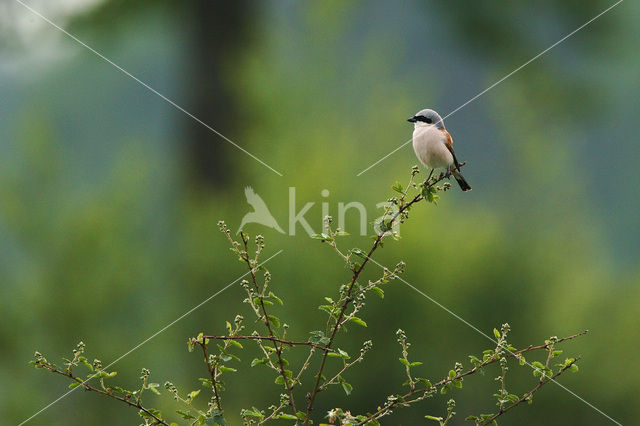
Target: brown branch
point(211, 369)
point(546, 346)
point(382, 411)
point(87, 387)
point(288, 385)
point(527, 395)
point(271, 338)
point(354, 278)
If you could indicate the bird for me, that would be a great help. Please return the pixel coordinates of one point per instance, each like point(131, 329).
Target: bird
point(433, 145)
point(260, 213)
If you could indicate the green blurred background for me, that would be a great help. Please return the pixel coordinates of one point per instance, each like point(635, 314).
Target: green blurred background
point(109, 196)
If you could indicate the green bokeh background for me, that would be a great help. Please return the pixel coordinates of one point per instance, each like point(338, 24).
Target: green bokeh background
point(108, 223)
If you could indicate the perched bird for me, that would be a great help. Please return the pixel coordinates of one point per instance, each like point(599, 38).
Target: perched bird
point(433, 145)
point(260, 213)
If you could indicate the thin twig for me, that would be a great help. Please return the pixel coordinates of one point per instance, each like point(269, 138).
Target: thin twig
point(546, 346)
point(90, 388)
point(527, 395)
point(212, 371)
point(271, 338)
point(385, 409)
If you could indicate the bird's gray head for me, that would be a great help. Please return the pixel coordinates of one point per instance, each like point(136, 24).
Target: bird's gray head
point(428, 117)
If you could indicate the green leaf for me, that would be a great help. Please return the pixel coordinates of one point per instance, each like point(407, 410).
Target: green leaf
point(274, 320)
point(216, 419)
point(224, 369)
point(415, 364)
point(287, 417)
point(398, 188)
point(74, 385)
point(318, 338)
point(574, 368)
point(358, 321)
point(193, 394)
point(156, 413)
point(434, 418)
point(205, 382)
point(326, 308)
point(276, 298)
point(185, 415)
point(452, 374)
point(339, 354)
point(279, 380)
point(424, 381)
point(404, 362)
point(345, 386)
point(474, 360)
point(496, 333)
point(257, 361)
point(153, 388)
point(385, 226)
point(379, 291)
point(252, 413)
point(431, 196)
point(358, 252)
point(235, 343)
point(86, 363)
point(200, 338)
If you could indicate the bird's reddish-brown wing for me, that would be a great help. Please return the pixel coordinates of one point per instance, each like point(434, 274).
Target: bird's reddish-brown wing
point(449, 144)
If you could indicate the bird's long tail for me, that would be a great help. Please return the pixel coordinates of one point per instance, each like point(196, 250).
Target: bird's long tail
point(463, 183)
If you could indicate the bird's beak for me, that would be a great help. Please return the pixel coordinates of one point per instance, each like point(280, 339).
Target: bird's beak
point(412, 119)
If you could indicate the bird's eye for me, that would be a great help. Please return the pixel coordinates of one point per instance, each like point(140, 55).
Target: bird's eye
point(428, 120)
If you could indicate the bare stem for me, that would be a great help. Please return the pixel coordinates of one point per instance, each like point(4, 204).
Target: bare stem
point(271, 338)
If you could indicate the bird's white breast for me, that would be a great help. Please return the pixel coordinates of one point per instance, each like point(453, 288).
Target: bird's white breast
point(429, 144)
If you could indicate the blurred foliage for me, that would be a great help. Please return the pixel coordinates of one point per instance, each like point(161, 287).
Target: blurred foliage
point(105, 240)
